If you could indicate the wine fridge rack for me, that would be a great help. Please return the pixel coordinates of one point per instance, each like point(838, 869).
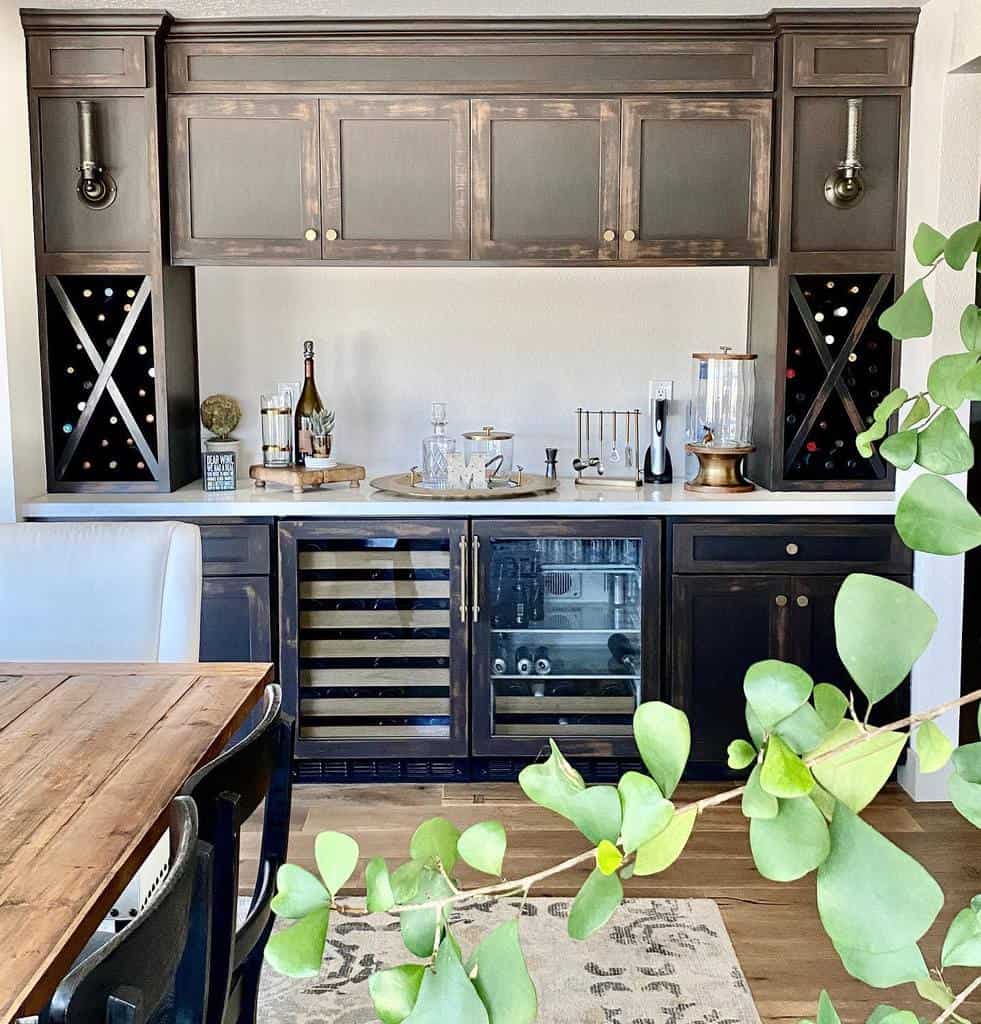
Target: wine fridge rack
point(838, 369)
point(101, 378)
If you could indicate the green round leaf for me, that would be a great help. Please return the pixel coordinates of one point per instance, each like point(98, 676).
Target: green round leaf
point(482, 846)
point(378, 885)
point(298, 893)
point(917, 412)
point(855, 776)
point(447, 994)
point(405, 880)
point(965, 783)
point(608, 857)
point(337, 857)
point(928, 244)
point(501, 977)
point(961, 244)
point(935, 992)
point(553, 784)
point(775, 690)
point(971, 328)
point(757, 803)
point(881, 628)
point(884, 970)
point(783, 773)
point(827, 1014)
point(830, 703)
point(596, 813)
point(900, 449)
point(663, 738)
point(298, 951)
point(659, 853)
point(740, 754)
point(962, 945)
point(793, 843)
point(970, 383)
point(433, 840)
point(645, 812)
point(945, 378)
point(934, 516)
point(418, 927)
point(872, 896)
point(910, 316)
point(944, 446)
point(594, 904)
point(803, 730)
point(394, 992)
point(932, 746)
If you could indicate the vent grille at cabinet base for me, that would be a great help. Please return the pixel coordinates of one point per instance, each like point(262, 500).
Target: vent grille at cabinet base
point(381, 770)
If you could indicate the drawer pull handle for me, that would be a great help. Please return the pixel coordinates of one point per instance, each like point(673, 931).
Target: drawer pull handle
point(802, 601)
point(792, 548)
point(781, 600)
point(475, 579)
point(463, 578)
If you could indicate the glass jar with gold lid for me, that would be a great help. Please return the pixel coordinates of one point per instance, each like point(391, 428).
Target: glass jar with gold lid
point(495, 447)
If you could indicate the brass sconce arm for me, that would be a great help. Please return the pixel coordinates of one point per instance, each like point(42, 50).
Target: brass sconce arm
point(96, 187)
point(844, 187)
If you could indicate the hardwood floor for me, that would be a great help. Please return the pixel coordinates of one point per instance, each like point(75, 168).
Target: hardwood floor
point(783, 950)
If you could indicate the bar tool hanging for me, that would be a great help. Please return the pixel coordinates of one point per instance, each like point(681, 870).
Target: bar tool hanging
point(844, 187)
point(96, 187)
point(585, 461)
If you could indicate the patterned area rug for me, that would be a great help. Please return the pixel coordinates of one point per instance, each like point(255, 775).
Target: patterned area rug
point(656, 962)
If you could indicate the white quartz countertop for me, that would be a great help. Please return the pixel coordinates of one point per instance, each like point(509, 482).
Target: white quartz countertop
point(342, 501)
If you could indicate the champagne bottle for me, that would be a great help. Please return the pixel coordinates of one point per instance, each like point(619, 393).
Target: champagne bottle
point(307, 404)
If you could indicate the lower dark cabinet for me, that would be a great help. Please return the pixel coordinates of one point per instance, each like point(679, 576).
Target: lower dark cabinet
point(236, 619)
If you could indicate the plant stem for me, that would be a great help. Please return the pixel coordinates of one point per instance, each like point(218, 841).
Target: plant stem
point(508, 887)
point(959, 1000)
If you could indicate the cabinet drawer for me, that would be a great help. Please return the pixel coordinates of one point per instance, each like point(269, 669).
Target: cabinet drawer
point(851, 60)
point(235, 550)
point(782, 547)
point(101, 62)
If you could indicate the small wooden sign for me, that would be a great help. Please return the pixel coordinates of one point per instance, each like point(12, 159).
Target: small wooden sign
point(299, 478)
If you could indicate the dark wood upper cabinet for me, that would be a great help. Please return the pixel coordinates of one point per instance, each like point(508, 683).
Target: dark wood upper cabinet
point(695, 182)
point(245, 179)
point(848, 60)
point(396, 178)
point(545, 179)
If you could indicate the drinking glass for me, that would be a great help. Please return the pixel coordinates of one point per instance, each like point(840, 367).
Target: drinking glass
point(276, 418)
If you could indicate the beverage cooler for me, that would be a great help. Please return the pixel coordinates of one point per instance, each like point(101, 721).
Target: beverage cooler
point(565, 620)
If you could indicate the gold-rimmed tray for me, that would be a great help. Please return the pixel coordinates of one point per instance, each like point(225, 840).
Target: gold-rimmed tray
point(402, 484)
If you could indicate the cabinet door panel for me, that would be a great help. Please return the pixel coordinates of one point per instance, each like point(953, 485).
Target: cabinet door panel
point(545, 179)
point(236, 619)
point(245, 178)
point(696, 178)
point(720, 625)
point(396, 178)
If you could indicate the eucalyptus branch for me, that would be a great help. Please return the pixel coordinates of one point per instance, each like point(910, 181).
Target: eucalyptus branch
point(959, 1000)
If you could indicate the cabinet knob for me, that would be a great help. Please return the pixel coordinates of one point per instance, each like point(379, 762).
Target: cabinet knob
point(310, 234)
point(802, 601)
point(331, 234)
point(609, 235)
point(792, 548)
point(781, 600)
point(629, 236)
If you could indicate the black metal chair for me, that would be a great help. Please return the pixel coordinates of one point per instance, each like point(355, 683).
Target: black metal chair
point(223, 959)
point(130, 977)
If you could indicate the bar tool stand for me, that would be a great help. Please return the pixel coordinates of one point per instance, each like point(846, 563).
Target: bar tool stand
point(657, 462)
point(593, 469)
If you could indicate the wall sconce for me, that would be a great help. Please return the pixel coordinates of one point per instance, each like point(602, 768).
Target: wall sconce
point(96, 187)
point(844, 188)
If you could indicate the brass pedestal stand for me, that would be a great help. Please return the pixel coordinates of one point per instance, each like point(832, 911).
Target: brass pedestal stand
point(719, 469)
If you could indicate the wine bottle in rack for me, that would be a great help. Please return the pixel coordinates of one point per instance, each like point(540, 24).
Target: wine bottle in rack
point(543, 663)
point(499, 664)
point(623, 653)
point(306, 405)
point(524, 661)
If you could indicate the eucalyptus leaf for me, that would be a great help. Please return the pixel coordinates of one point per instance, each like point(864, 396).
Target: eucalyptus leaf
point(793, 843)
point(755, 727)
point(803, 730)
point(663, 737)
point(434, 840)
point(596, 813)
point(970, 383)
point(875, 431)
point(500, 976)
point(910, 316)
point(336, 855)
point(482, 846)
point(830, 703)
point(405, 880)
point(881, 1013)
point(900, 448)
point(965, 783)
point(884, 970)
point(856, 775)
point(554, 784)
point(659, 853)
point(447, 994)
point(394, 992)
point(298, 893)
point(827, 1014)
point(608, 857)
point(970, 327)
point(928, 245)
point(740, 754)
point(935, 992)
point(775, 690)
point(944, 446)
point(378, 886)
point(783, 773)
point(645, 811)
point(961, 244)
point(594, 904)
point(889, 405)
point(881, 628)
point(298, 951)
point(418, 927)
point(934, 516)
point(962, 944)
point(872, 896)
point(932, 746)
point(945, 378)
point(916, 413)
point(757, 803)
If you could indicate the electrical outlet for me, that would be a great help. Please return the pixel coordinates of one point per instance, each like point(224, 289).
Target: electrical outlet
point(664, 389)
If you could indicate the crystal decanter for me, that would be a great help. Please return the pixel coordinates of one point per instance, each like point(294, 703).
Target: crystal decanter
point(435, 448)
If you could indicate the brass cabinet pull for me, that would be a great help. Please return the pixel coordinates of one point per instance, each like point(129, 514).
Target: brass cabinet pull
point(463, 577)
point(310, 234)
point(475, 580)
point(792, 548)
point(629, 236)
point(331, 234)
point(802, 601)
point(609, 235)
point(781, 600)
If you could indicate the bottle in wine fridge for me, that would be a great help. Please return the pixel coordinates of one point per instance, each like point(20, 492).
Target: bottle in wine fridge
point(543, 663)
point(624, 653)
point(499, 664)
point(523, 661)
point(307, 405)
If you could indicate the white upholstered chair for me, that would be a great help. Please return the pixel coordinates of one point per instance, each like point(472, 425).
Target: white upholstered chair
point(102, 592)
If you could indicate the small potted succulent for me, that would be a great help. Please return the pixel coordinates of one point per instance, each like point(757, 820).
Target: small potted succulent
point(321, 439)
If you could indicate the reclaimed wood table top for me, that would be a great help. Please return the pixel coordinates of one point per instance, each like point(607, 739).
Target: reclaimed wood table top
point(91, 755)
